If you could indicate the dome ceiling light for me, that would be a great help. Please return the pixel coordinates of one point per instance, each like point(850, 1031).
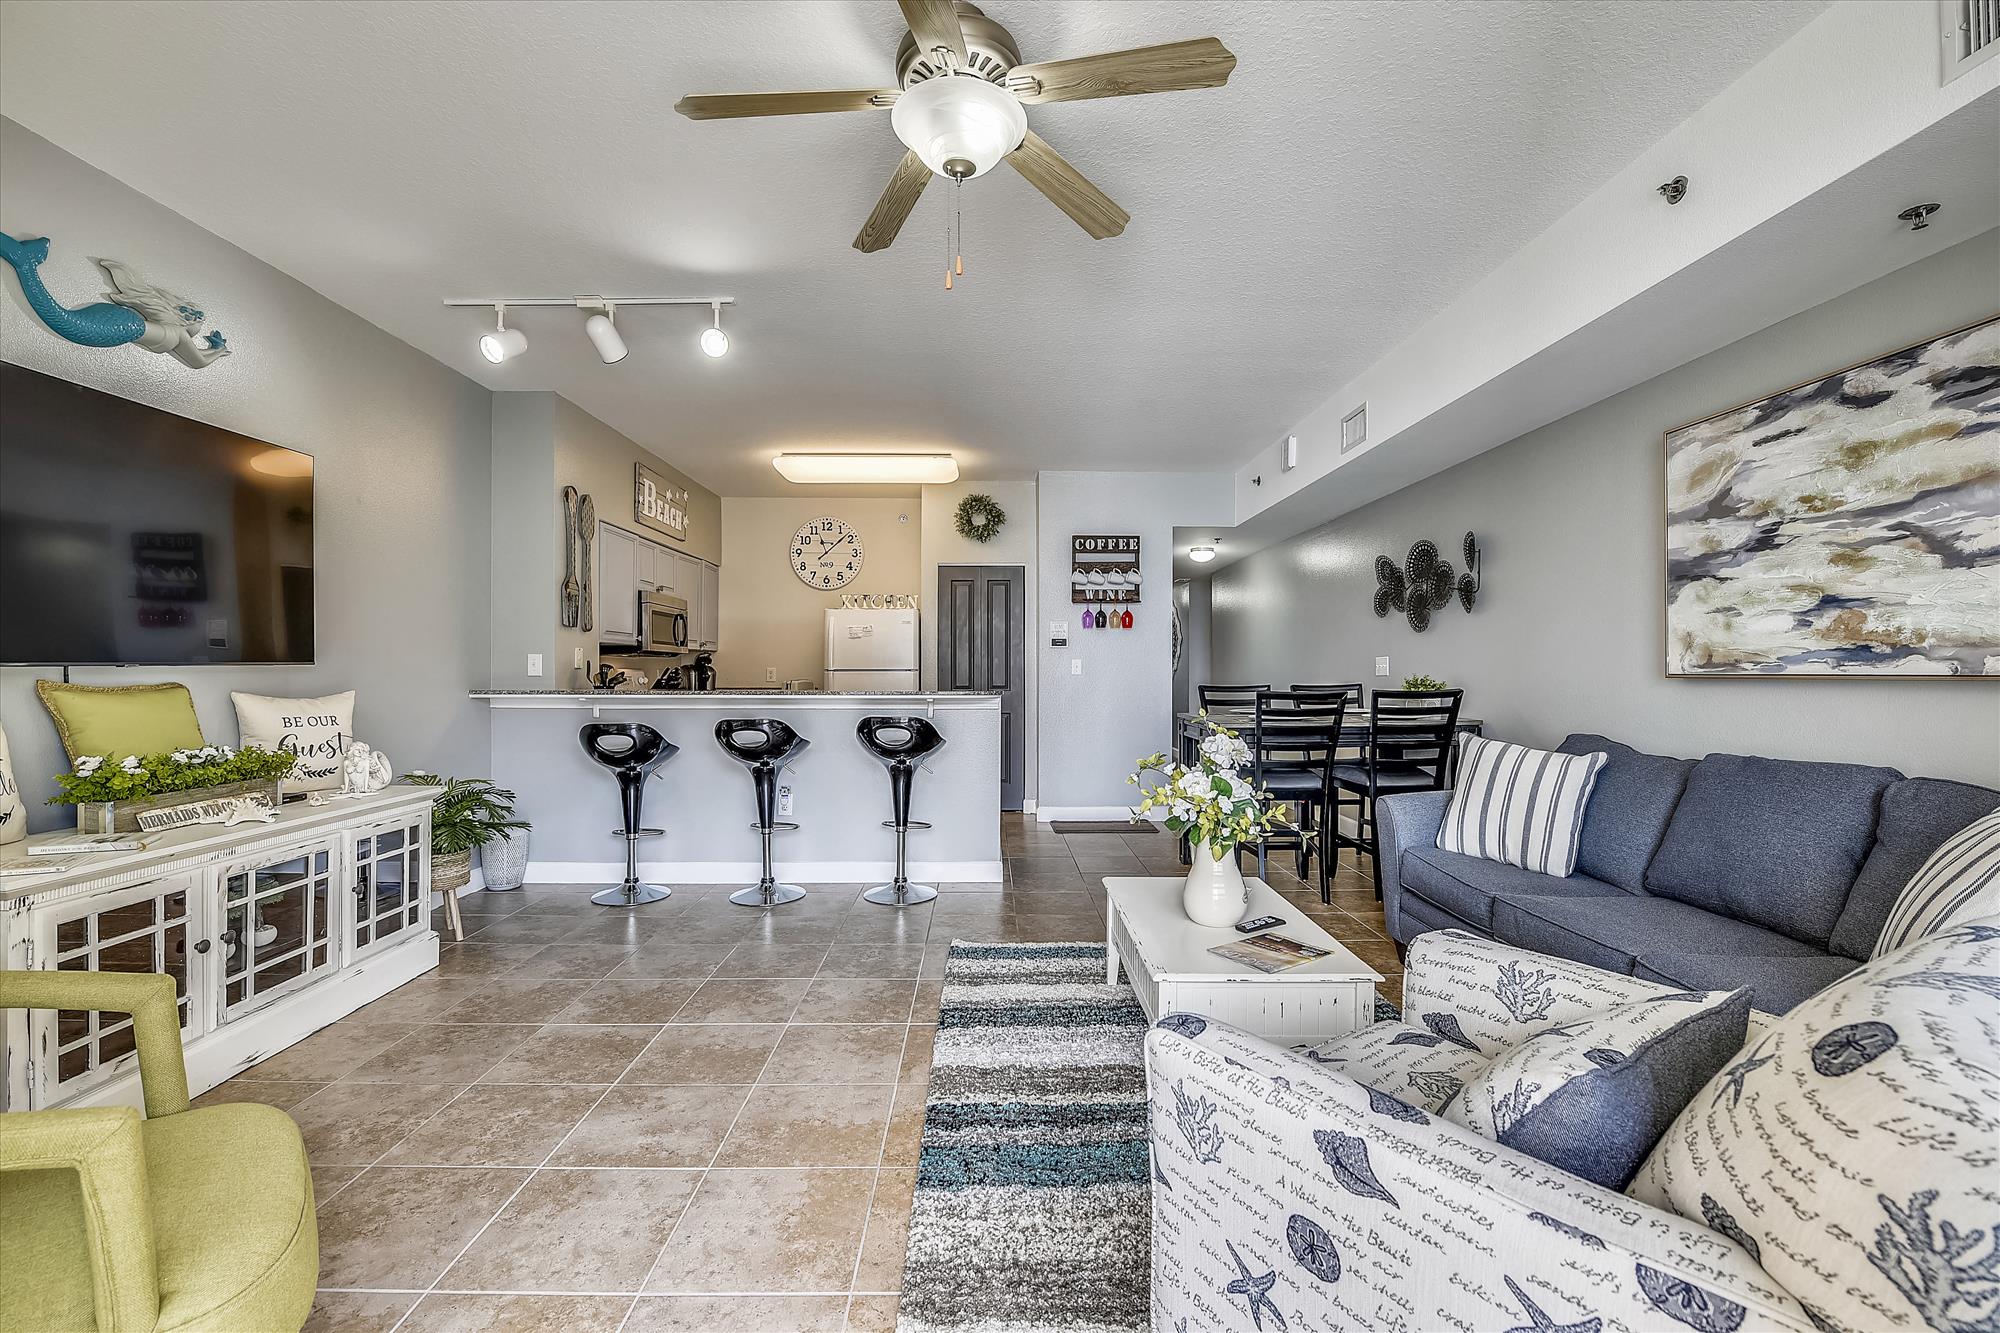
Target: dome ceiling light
point(958, 109)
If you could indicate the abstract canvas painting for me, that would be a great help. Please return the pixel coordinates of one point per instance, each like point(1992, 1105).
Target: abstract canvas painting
point(1850, 526)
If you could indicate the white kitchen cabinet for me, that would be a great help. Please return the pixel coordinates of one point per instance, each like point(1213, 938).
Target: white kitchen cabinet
point(616, 585)
point(257, 924)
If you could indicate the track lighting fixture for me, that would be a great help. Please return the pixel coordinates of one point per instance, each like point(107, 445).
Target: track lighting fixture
point(604, 336)
point(713, 340)
point(504, 344)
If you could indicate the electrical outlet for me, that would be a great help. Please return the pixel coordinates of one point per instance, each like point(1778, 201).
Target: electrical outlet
point(1381, 666)
point(784, 802)
point(770, 675)
point(1076, 666)
point(579, 656)
point(534, 664)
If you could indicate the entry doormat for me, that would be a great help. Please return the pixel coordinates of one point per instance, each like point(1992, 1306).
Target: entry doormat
point(1033, 1203)
point(1101, 826)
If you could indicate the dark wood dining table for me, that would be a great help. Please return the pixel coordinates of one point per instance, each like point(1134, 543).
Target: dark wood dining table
point(1356, 730)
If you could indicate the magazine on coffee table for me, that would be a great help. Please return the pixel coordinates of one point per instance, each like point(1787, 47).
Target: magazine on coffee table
point(1268, 952)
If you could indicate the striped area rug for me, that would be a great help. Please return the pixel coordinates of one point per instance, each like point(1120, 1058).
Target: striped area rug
point(1032, 1207)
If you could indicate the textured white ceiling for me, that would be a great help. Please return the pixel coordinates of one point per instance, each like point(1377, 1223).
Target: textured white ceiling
point(1365, 162)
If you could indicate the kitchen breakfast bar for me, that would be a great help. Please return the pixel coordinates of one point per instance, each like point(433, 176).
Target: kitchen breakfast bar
point(836, 790)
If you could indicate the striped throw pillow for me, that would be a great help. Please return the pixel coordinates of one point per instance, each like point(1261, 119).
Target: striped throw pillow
point(1961, 882)
point(1518, 805)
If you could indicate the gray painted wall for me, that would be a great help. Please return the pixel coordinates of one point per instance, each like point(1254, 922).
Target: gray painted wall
point(1094, 726)
point(400, 443)
point(1567, 635)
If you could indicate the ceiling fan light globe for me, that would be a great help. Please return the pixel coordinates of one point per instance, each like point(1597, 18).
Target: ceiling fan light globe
point(714, 342)
point(959, 119)
point(502, 345)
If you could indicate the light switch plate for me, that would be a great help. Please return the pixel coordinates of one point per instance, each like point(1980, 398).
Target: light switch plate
point(534, 664)
point(1076, 666)
point(1381, 666)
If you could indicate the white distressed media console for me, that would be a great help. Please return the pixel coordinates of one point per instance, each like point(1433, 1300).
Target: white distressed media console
point(271, 931)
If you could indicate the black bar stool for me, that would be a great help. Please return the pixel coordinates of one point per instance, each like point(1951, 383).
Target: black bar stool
point(631, 750)
point(901, 743)
point(763, 745)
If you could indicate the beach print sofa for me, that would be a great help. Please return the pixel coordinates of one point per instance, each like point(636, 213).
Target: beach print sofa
point(1838, 1174)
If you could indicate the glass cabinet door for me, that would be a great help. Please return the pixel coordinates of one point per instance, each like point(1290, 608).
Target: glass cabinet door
point(275, 933)
point(390, 882)
point(141, 929)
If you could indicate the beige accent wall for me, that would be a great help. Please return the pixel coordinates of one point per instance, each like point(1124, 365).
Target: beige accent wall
point(772, 624)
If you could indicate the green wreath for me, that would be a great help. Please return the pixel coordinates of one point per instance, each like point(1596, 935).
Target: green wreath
point(979, 518)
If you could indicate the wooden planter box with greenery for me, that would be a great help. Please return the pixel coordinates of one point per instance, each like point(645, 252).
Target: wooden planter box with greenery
point(109, 797)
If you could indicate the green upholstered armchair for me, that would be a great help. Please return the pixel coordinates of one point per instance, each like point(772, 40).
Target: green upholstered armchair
point(183, 1220)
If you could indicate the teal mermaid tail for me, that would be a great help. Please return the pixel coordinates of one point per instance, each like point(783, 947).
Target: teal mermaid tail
point(100, 324)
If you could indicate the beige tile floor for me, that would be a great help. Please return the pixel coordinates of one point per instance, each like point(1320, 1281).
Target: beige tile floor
point(693, 1116)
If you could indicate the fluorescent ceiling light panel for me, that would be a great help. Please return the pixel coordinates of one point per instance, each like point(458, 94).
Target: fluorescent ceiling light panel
point(884, 469)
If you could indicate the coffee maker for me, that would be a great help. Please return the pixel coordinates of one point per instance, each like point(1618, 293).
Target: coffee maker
point(701, 676)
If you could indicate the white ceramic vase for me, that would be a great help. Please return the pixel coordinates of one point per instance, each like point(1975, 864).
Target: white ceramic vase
point(1214, 894)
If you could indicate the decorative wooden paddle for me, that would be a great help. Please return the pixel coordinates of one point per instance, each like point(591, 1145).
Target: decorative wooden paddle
point(586, 528)
point(572, 591)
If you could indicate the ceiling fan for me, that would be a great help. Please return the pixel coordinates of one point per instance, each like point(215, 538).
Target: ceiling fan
point(959, 108)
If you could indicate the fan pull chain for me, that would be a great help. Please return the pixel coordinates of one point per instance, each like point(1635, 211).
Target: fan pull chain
point(947, 247)
point(954, 235)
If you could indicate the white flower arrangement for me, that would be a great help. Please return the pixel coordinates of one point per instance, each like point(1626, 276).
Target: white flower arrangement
point(1211, 802)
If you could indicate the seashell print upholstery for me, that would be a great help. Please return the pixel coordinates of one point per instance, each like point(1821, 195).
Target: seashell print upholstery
point(1313, 1204)
point(1854, 1149)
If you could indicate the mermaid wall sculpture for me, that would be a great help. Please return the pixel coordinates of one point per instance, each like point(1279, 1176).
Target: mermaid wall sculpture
point(133, 311)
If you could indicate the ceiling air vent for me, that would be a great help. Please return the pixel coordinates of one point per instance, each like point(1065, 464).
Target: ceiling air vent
point(1969, 33)
point(1354, 426)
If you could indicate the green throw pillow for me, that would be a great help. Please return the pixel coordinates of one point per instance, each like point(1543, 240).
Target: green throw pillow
point(117, 720)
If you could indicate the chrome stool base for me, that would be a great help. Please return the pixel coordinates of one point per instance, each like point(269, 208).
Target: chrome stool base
point(630, 894)
point(905, 894)
point(767, 895)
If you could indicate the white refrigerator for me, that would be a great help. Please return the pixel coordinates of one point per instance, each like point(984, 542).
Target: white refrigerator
point(871, 650)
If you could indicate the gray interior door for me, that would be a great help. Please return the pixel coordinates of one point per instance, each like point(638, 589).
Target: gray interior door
point(982, 645)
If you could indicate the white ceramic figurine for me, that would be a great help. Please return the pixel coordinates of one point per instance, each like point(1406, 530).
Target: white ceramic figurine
point(363, 770)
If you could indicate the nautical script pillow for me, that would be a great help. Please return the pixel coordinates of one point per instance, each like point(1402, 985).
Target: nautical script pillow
point(1852, 1150)
point(1416, 1066)
point(316, 730)
point(1517, 805)
point(1960, 882)
point(1593, 1095)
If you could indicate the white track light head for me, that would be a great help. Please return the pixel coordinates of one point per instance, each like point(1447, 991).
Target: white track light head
point(503, 343)
point(713, 340)
point(604, 336)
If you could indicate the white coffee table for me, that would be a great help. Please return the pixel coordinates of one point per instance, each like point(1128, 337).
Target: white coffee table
point(1166, 958)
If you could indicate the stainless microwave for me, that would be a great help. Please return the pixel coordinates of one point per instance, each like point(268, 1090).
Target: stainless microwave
point(663, 623)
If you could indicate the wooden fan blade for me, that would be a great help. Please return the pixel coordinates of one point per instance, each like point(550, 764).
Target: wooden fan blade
point(935, 23)
point(1066, 188)
point(1202, 62)
point(728, 106)
point(893, 208)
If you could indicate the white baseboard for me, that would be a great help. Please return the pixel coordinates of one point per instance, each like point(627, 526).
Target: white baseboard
point(746, 872)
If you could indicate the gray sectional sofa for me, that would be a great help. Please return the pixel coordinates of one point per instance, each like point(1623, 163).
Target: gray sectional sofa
point(1731, 870)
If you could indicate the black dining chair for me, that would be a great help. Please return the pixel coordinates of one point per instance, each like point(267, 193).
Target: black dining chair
point(1228, 696)
point(1410, 735)
point(1292, 738)
point(1350, 689)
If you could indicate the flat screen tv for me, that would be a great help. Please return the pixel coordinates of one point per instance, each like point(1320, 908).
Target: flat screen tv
point(132, 536)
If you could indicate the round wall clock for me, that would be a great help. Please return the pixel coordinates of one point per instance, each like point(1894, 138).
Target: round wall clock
point(826, 553)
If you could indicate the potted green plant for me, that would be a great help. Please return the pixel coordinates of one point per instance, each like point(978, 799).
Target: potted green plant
point(1219, 809)
point(1425, 684)
point(471, 813)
